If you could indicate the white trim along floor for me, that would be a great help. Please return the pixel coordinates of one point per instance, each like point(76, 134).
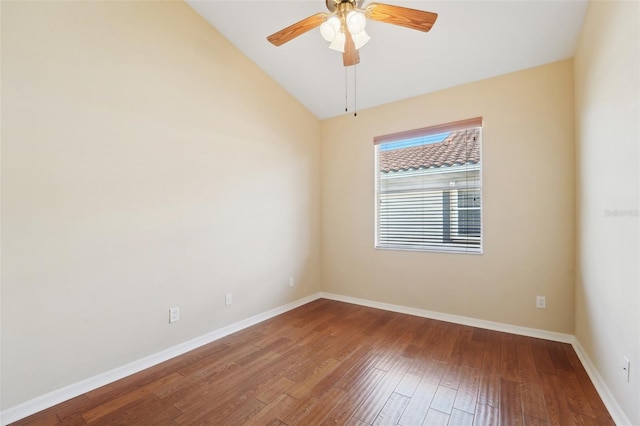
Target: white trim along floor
point(60, 395)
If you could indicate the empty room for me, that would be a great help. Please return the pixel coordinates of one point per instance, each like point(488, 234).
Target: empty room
point(320, 212)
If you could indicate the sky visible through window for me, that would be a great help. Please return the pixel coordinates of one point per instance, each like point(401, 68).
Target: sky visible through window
point(408, 143)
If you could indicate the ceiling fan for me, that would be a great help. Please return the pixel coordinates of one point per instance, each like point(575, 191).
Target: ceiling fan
point(344, 25)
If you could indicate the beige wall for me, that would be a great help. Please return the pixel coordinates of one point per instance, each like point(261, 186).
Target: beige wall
point(143, 169)
point(607, 69)
point(529, 206)
point(146, 164)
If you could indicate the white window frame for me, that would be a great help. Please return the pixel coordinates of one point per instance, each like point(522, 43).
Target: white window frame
point(451, 247)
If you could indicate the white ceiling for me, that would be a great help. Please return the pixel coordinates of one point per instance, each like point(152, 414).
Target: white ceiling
point(470, 41)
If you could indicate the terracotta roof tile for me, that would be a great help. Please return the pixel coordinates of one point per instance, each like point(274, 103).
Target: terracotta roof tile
point(460, 147)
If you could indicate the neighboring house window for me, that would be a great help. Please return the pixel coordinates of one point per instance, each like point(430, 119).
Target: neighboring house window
point(429, 188)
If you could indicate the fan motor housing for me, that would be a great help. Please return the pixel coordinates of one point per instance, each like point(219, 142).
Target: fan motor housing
point(332, 5)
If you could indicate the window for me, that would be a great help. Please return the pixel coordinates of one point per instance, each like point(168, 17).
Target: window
point(429, 188)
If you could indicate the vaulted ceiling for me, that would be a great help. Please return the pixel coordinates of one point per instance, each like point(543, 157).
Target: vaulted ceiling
point(470, 41)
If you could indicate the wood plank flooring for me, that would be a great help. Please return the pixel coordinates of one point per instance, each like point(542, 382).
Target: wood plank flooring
point(333, 363)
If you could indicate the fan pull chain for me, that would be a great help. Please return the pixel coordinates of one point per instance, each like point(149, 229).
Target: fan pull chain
point(345, 90)
point(355, 92)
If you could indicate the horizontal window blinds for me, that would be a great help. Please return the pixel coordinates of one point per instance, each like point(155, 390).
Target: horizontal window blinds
point(429, 188)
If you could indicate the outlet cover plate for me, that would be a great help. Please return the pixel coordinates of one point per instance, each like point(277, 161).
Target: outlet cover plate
point(174, 315)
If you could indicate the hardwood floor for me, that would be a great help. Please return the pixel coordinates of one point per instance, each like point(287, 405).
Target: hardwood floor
point(333, 363)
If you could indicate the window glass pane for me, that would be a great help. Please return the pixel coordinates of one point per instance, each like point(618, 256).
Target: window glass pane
point(429, 192)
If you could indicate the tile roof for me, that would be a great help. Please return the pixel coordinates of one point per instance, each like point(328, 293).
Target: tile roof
point(460, 147)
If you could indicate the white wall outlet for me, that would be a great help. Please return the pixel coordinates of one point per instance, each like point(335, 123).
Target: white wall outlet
point(291, 282)
point(228, 299)
point(626, 365)
point(174, 315)
point(541, 302)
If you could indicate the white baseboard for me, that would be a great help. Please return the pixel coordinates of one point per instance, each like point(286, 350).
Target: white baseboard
point(616, 412)
point(49, 400)
point(60, 395)
point(457, 319)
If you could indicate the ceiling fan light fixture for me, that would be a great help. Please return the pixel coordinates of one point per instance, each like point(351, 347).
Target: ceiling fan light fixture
point(348, 18)
point(360, 39)
point(330, 28)
point(338, 42)
point(356, 22)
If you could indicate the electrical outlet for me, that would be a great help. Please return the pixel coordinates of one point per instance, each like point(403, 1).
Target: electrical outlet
point(174, 315)
point(626, 365)
point(291, 282)
point(541, 302)
point(228, 299)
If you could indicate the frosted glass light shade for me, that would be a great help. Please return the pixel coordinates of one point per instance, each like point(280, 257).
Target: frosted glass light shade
point(360, 39)
point(330, 28)
point(338, 42)
point(356, 22)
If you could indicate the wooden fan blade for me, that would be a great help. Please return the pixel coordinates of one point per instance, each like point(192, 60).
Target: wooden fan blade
point(297, 29)
point(351, 56)
point(403, 16)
